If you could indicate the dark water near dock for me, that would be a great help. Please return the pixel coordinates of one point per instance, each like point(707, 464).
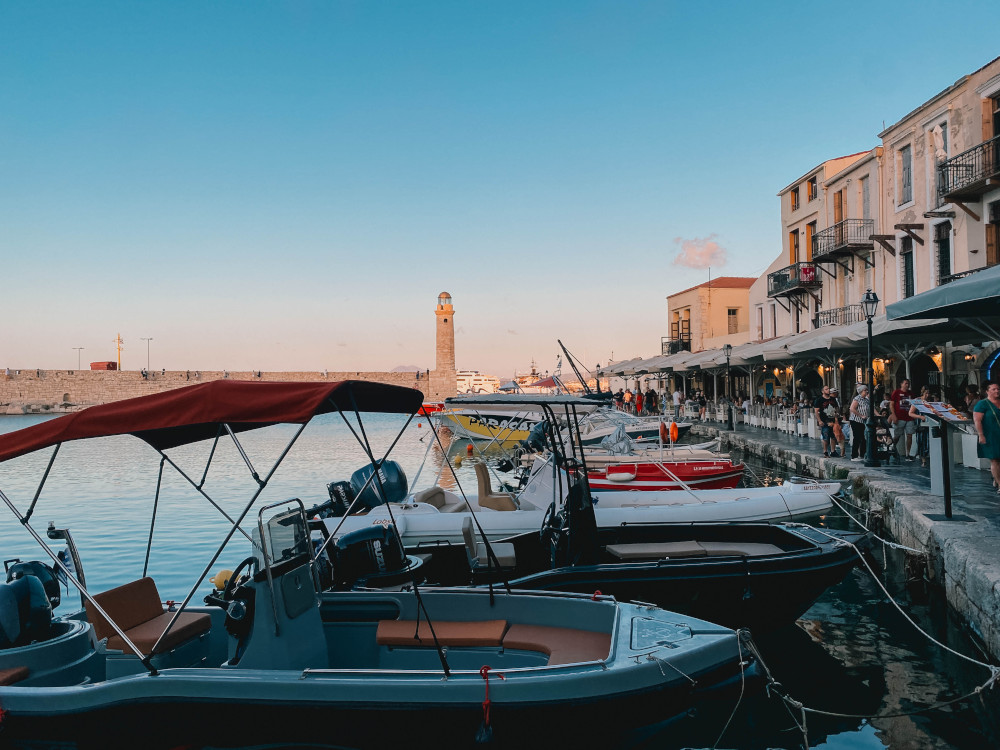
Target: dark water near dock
point(851, 653)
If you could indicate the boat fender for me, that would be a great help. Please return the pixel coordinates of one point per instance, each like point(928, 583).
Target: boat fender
point(621, 473)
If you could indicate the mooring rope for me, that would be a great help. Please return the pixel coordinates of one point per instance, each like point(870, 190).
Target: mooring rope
point(740, 634)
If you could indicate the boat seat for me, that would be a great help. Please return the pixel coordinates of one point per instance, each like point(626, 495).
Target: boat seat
point(487, 497)
point(659, 550)
point(449, 633)
point(12, 675)
point(435, 496)
point(478, 554)
point(561, 645)
point(136, 609)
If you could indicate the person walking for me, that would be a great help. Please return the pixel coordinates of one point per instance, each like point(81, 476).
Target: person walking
point(986, 415)
point(904, 426)
point(838, 427)
point(677, 404)
point(825, 407)
point(859, 412)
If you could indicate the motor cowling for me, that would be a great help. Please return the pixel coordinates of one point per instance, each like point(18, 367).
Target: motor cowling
point(25, 612)
point(341, 497)
point(366, 556)
point(41, 571)
point(390, 486)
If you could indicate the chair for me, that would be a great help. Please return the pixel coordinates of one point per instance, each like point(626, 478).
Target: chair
point(479, 556)
point(487, 497)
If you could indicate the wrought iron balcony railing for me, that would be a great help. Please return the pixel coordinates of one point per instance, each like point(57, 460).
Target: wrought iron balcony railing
point(840, 316)
point(961, 275)
point(673, 346)
point(844, 238)
point(968, 175)
point(795, 278)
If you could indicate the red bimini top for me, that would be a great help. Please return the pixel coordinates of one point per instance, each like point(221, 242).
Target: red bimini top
point(192, 413)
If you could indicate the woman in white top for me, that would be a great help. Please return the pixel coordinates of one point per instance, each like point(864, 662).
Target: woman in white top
point(860, 409)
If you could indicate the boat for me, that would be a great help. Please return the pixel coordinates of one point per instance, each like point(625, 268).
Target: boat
point(666, 472)
point(506, 426)
point(598, 425)
point(274, 655)
point(759, 576)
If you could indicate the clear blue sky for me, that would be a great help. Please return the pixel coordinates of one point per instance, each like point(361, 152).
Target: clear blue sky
point(289, 185)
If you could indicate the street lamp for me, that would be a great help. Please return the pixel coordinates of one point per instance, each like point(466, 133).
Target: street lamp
point(730, 416)
point(869, 305)
point(147, 340)
point(78, 350)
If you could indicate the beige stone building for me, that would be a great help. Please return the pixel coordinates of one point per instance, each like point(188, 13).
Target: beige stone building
point(709, 315)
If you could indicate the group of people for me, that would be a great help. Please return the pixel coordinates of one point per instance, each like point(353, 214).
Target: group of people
point(638, 403)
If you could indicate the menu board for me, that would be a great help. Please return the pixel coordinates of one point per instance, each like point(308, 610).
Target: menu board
point(939, 410)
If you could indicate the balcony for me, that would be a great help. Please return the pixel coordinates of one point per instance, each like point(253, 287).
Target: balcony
point(966, 177)
point(840, 316)
point(673, 346)
point(847, 237)
point(961, 275)
point(796, 278)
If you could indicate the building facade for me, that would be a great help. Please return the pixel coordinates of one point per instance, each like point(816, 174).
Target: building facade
point(709, 315)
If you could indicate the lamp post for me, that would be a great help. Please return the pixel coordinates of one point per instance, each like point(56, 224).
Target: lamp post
point(78, 350)
point(869, 305)
point(730, 416)
point(147, 340)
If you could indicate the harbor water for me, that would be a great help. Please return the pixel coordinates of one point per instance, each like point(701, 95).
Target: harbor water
point(852, 655)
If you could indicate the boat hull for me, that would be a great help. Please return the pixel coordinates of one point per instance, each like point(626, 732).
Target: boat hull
point(665, 475)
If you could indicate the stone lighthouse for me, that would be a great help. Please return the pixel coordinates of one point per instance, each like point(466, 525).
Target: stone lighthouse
point(443, 382)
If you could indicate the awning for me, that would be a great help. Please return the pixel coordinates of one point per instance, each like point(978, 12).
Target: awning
point(196, 412)
point(975, 296)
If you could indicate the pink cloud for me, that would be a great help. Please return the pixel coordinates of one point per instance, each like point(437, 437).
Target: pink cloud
point(700, 252)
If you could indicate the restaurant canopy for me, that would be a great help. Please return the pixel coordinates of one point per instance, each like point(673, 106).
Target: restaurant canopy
point(973, 301)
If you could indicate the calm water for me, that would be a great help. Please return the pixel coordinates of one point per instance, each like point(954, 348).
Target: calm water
point(851, 652)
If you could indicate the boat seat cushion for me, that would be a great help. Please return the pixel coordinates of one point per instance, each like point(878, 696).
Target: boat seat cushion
point(136, 609)
point(478, 554)
point(562, 645)
point(12, 675)
point(460, 507)
point(449, 633)
point(648, 550)
point(432, 496)
point(641, 550)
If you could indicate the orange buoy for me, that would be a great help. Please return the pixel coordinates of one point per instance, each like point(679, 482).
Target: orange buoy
point(468, 449)
point(674, 432)
point(664, 435)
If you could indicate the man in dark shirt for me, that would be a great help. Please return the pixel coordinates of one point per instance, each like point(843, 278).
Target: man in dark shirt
point(905, 424)
point(825, 407)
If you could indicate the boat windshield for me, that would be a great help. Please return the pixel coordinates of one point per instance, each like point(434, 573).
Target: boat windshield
point(286, 535)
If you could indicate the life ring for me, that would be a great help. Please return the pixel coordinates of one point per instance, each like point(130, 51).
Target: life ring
point(674, 432)
point(664, 434)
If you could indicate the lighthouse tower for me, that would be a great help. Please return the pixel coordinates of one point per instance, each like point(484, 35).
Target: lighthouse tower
point(443, 381)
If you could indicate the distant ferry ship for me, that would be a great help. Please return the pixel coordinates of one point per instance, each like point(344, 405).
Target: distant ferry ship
point(472, 381)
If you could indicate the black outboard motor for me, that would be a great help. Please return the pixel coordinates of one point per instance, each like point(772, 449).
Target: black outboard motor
point(370, 557)
point(41, 571)
point(341, 497)
point(25, 612)
point(392, 479)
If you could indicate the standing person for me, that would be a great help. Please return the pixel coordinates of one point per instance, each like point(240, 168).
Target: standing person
point(702, 403)
point(860, 411)
point(638, 401)
point(986, 414)
point(838, 427)
point(825, 407)
point(971, 398)
point(923, 444)
point(905, 425)
point(628, 400)
point(651, 405)
point(619, 399)
point(677, 404)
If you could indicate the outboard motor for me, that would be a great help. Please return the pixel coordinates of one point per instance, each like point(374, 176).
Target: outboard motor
point(41, 571)
point(25, 612)
point(370, 557)
point(341, 497)
point(392, 479)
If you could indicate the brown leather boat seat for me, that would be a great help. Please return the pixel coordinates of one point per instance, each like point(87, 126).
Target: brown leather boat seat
point(692, 548)
point(435, 496)
point(487, 497)
point(562, 645)
point(136, 609)
point(449, 633)
point(12, 675)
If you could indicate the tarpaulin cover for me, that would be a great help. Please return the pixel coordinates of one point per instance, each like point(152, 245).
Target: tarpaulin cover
point(193, 413)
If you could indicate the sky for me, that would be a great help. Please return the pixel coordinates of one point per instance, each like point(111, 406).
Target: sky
point(290, 185)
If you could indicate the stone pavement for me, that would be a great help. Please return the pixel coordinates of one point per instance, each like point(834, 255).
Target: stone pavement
point(963, 555)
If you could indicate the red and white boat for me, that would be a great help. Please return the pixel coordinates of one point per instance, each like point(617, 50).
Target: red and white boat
point(624, 473)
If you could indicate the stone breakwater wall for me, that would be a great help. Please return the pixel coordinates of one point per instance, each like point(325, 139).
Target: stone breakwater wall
point(963, 558)
point(55, 391)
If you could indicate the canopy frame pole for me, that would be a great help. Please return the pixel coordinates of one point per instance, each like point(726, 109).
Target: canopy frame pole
point(41, 484)
point(79, 586)
point(204, 494)
point(211, 455)
point(152, 520)
point(246, 458)
point(229, 534)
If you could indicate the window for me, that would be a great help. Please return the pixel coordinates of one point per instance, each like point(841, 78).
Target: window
point(733, 316)
point(906, 254)
point(793, 246)
point(774, 320)
point(812, 189)
point(795, 198)
point(866, 199)
point(760, 323)
point(904, 176)
point(810, 240)
point(942, 242)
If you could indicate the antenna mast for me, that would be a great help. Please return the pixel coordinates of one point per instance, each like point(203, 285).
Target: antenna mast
point(119, 342)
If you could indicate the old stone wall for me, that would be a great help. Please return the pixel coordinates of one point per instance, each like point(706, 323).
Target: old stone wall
point(24, 391)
